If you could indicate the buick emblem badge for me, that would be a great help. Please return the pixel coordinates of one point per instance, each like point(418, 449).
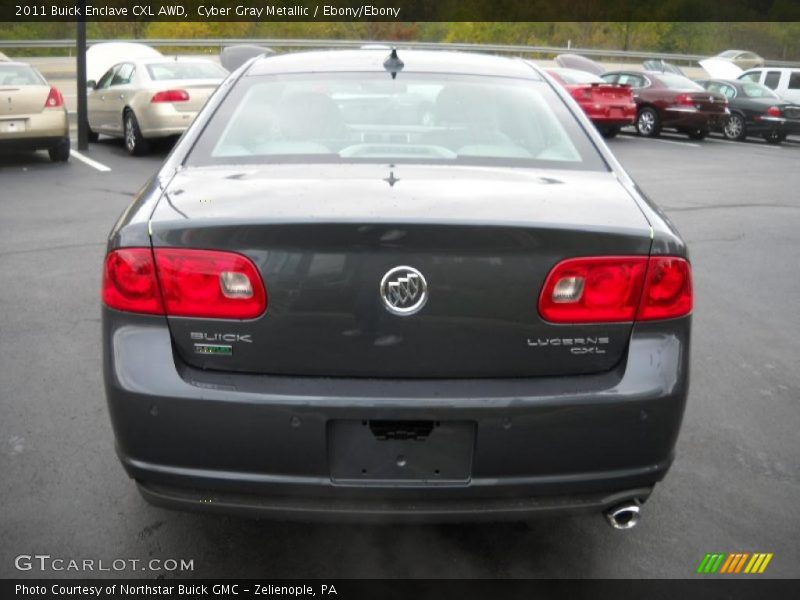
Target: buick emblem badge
point(404, 291)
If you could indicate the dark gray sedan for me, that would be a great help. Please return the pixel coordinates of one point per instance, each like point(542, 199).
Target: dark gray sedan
point(755, 111)
point(330, 304)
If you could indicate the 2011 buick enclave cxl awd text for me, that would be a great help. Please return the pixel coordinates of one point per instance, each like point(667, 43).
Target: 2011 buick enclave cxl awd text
point(378, 287)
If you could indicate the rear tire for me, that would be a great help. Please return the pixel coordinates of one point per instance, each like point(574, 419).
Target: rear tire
point(774, 137)
point(648, 124)
point(60, 152)
point(135, 143)
point(698, 134)
point(609, 132)
point(735, 128)
point(92, 136)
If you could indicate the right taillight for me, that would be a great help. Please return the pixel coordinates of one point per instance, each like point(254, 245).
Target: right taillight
point(183, 282)
point(603, 289)
point(667, 289)
point(54, 99)
point(170, 96)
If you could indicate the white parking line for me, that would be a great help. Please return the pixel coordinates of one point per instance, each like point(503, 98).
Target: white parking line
point(672, 142)
point(750, 145)
point(92, 163)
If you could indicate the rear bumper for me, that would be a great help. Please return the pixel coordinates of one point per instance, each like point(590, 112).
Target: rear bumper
point(606, 116)
point(163, 120)
point(397, 510)
point(259, 445)
point(25, 144)
point(767, 124)
point(47, 127)
point(780, 124)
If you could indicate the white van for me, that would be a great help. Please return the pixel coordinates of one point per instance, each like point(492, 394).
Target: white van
point(783, 81)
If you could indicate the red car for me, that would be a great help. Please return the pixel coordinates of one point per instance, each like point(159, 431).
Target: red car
point(609, 106)
point(670, 101)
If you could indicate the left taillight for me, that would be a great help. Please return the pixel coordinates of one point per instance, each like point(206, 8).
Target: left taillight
point(616, 289)
point(184, 282)
point(54, 99)
point(129, 281)
point(774, 111)
point(582, 93)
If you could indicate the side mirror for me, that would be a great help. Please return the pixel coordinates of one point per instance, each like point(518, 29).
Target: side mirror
point(91, 84)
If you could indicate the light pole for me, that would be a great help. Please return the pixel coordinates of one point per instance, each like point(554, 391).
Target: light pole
point(80, 55)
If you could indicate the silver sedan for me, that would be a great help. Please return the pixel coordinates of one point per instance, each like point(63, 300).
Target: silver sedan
point(141, 100)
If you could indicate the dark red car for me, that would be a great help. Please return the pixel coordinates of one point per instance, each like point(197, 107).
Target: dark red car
point(609, 106)
point(670, 101)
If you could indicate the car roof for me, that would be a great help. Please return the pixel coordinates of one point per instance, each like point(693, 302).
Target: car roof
point(170, 59)
point(414, 61)
point(14, 63)
point(630, 72)
point(781, 69)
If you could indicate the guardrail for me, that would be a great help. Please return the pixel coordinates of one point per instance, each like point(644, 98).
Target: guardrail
point(313, 43)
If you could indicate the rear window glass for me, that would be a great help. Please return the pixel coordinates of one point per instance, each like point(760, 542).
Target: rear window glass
point(369, 117)
point(794, 80)
point(751, 76)
point(19, 75)
point(185, 70)
point(756, 90)
point(574, 77)
point(679, 83)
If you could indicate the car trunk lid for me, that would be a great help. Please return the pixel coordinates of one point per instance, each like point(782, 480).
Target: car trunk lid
point(19, 101)
point(483, 238)
point(199, 91)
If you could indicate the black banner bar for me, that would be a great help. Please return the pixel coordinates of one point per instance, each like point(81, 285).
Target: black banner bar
point(402, 10)
point(706, 588)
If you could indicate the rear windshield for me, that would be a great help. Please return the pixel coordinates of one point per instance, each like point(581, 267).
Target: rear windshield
point(756, 90)
point(369, 117)
point(575, 77)
point(185, 70)
point(19, 75)
point(678, 82)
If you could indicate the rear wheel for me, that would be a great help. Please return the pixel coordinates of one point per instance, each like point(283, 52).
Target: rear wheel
point(647, 122)
point(735, 128)
point(698, 134)
point(135, 143)
point(774, 137)
point(60, 152)
point(93, 136)
point(609, 132)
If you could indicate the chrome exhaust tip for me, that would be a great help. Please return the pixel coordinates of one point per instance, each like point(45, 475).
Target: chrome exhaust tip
point(624, 516)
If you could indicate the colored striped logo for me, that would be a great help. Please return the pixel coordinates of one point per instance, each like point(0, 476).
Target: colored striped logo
point(738, 562)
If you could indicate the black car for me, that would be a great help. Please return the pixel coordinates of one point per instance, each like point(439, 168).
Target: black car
point(755, 111)
point(311, 314)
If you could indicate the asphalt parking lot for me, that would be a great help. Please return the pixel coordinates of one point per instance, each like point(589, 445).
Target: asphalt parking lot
point(735, 485)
